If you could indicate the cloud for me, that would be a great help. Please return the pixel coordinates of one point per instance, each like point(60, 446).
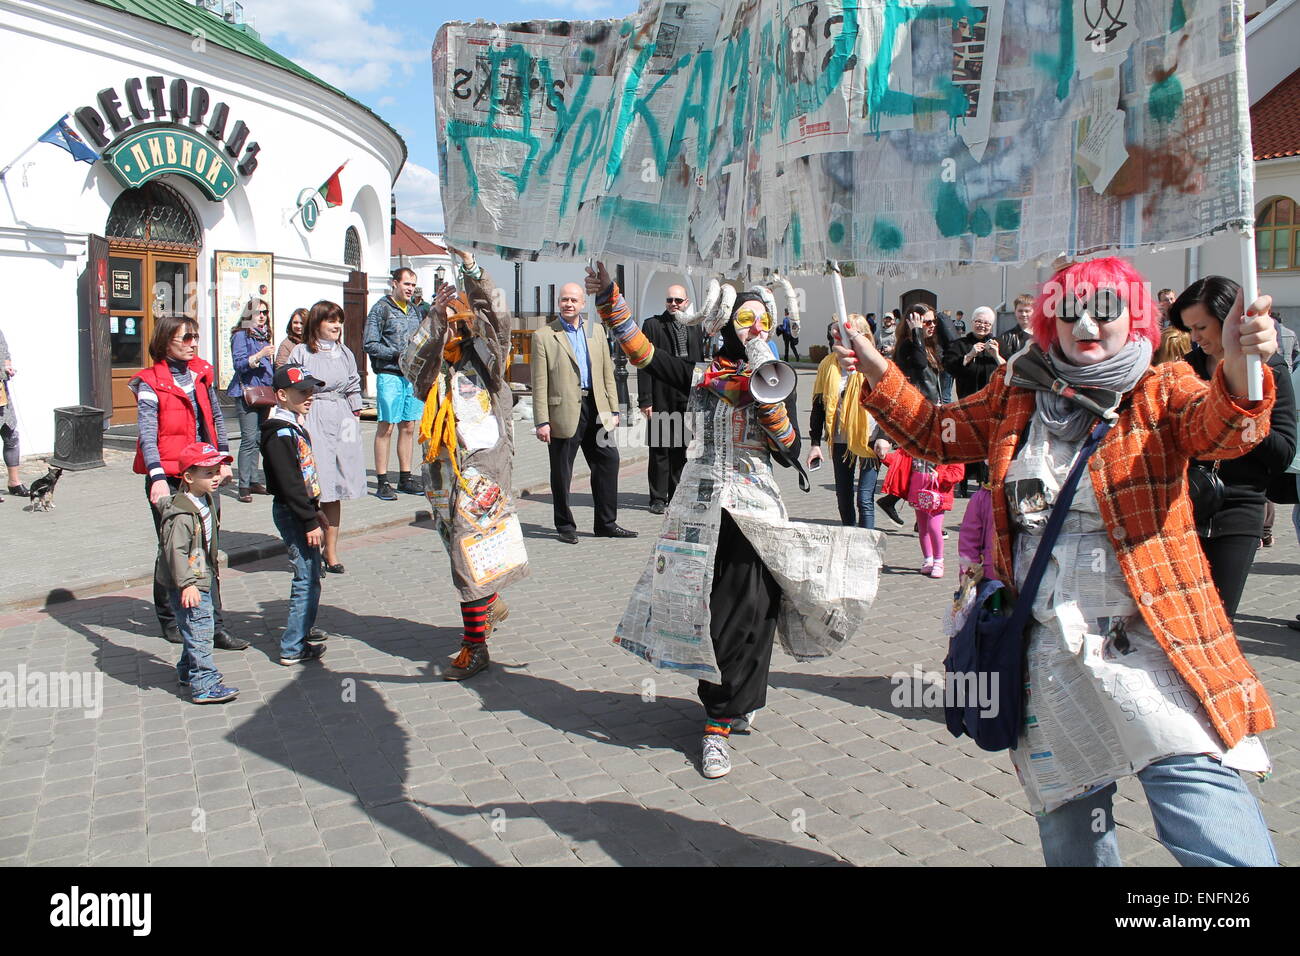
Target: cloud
point(419, 201)
point(582, 6)
point(339, 41)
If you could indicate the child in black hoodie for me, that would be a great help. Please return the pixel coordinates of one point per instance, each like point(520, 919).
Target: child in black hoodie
point(291, 479)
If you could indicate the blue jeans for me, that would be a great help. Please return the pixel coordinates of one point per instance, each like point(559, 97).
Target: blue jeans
point(846, 473)
point(250, 436)
point(1204, 815)
point(196, 627)
point(945, 388)
point(304, 594)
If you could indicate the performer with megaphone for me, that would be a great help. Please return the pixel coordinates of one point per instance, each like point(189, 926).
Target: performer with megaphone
point(729, 568)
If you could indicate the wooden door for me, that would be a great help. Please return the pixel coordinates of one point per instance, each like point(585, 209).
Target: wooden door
point(142, 285)
point(354, 320)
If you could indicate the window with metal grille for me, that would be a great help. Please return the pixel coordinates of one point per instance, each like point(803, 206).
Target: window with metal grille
point(156, 215)
point(352, 248)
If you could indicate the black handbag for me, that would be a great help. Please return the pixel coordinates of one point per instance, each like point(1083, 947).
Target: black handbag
point(1205, 488)
point(984, 676)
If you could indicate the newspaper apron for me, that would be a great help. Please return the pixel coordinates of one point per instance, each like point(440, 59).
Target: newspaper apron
point(1104, 700)
point(828, 575)
point(474, 513)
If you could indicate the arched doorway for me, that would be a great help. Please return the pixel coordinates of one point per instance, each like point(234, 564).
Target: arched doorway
point(355, 291)
point(153, 245)
point(917, 297)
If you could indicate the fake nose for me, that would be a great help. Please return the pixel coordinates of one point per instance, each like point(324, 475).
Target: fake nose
point(1086, 327)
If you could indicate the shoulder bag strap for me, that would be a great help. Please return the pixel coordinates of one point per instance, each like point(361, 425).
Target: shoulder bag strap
point(1025, 599)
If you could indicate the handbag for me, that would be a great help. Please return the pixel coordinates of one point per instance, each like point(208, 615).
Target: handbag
point(259, 396)
point(985, 667)
point(1206, 490)
point(928, 498)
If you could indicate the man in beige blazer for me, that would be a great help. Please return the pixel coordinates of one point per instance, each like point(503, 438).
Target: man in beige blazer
point(574, 403)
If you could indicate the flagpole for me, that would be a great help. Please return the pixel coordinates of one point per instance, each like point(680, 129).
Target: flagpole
point(10, 165)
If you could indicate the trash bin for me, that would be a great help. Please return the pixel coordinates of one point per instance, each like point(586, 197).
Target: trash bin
point(78, 438)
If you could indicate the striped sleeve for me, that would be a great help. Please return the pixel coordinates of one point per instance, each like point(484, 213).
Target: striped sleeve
point(613, 311)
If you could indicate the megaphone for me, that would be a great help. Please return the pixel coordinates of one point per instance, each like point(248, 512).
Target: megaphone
point(772, 382)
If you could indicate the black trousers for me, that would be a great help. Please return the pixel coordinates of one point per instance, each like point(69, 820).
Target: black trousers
point(664, 472)
point(161, 605)
point(1230, 557)
point(742, 606)
point(602, 458)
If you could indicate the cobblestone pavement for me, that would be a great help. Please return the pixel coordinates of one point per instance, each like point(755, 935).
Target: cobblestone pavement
point(567, 752)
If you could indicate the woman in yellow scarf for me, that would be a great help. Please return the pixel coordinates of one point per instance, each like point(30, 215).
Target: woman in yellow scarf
point(838, 419)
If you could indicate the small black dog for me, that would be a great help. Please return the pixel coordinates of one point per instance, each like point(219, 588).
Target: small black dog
point(43, 490)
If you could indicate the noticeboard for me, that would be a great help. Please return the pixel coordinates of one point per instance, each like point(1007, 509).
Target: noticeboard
point(239, 276)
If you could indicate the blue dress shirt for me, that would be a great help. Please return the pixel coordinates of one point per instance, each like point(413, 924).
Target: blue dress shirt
point(578, 340)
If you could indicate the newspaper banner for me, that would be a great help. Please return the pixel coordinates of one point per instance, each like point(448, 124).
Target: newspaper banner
point(734, 135)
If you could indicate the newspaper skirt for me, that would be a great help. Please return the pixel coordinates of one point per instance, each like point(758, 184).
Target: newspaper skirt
point(828, 575)
point(474, 512)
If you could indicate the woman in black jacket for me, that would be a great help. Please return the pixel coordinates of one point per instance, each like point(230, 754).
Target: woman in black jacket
point(1231, 535)
point(919, 352)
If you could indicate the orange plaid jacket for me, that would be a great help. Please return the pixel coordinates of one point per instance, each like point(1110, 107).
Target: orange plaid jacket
point(1140, 476)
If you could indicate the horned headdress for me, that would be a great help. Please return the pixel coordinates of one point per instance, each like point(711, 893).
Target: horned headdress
point(720, 300)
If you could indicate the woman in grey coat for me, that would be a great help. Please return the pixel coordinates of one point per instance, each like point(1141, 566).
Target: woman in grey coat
point(9, 423)
point(332, 421)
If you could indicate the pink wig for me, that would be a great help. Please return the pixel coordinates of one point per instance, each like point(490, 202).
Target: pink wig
point(1083, 278)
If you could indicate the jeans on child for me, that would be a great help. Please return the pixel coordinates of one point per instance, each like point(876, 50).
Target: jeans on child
point(304, 595)
point(1203, 811)
point(196, 626)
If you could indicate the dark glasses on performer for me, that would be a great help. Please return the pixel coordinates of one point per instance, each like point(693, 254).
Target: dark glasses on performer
point(672, 301)
point(1104, 305)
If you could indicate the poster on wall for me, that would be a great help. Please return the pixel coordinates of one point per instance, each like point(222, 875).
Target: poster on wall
point(239, 277)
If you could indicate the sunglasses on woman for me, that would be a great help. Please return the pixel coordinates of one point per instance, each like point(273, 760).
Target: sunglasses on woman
point(189, 338)
point(1104, 305)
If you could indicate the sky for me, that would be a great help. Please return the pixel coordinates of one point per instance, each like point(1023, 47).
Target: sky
point(378, 52)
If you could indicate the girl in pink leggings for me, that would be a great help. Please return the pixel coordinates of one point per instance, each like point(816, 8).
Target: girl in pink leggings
point(930, 492)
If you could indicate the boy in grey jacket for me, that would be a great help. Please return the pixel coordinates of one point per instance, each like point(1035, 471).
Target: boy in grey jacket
point(187, 555)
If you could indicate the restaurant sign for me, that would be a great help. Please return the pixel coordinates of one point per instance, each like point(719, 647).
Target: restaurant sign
point(152, 152)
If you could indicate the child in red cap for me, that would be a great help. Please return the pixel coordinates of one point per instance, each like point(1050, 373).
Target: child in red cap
point(187, 559)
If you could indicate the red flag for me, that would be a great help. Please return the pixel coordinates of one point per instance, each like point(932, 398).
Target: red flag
point(332, 189)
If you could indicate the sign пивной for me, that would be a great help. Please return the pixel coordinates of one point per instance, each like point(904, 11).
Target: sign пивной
point(148, 153)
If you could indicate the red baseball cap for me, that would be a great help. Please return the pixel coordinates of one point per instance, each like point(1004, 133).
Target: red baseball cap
point(202, 454)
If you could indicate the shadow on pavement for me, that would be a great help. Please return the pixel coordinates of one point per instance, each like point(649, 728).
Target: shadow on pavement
point(1267, 635)
point(878, 693)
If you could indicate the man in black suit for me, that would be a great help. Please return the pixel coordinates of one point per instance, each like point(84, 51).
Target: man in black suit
point(663, 405)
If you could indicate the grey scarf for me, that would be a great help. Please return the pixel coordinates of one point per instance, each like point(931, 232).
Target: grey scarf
point(1066, 419)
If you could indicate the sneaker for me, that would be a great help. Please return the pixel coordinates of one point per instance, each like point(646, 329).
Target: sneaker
point(385, 491)
point(890, 510)
point(743, 725)
point(317, 636)
point(309, 652)
point(218, 695)
point(410, 486)
point(937, 570)
point(471, 659)
point(926, 565)
point(716, 761)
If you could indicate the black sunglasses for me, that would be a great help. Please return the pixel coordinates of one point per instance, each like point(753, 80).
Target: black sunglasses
point(676, 301)
point(1104, 305)
point(189, 337)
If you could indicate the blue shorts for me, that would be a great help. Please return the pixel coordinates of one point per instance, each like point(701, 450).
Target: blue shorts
point(396, 399)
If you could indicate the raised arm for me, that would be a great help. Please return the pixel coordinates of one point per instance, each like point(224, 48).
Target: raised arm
point(489, 305)
point(613, 311)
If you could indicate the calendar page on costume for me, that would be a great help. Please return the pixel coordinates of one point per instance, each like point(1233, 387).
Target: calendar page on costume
point(494, 552)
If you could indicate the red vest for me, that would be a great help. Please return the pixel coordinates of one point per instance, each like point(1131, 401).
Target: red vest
point(176, 425)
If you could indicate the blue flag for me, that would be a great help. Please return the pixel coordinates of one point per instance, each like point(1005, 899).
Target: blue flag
point(65, 137)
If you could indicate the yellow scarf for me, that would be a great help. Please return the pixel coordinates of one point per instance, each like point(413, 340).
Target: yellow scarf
point(856, 422)
point(438, 427)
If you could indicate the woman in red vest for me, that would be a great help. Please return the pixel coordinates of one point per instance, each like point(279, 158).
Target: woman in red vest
point(177, 405)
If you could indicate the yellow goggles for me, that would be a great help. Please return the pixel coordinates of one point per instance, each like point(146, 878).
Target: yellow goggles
point(746, 317)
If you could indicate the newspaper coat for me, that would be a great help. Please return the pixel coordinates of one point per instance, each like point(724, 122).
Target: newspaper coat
point(474, 512)
point(828, 575)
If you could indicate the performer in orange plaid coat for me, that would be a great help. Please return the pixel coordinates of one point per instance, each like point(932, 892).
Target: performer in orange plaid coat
point(1132, 666)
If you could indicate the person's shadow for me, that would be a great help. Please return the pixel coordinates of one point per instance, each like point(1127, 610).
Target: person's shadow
point(905, 698)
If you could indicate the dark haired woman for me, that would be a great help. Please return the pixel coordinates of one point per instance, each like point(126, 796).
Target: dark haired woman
point(1231, 534)
point(250, 355)
point(176, 400)
point(292, 336)
point(332, 420)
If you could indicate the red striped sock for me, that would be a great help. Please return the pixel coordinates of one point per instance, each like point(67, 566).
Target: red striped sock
point(474, 614)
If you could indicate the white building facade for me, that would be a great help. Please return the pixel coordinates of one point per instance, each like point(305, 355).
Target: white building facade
point(210, 144)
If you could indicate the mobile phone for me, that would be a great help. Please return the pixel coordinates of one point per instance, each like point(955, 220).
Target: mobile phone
point(813, 466)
